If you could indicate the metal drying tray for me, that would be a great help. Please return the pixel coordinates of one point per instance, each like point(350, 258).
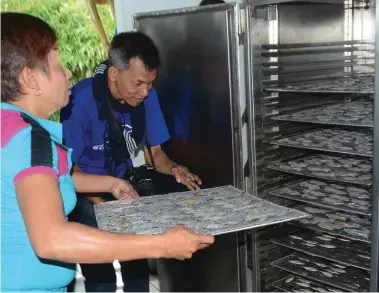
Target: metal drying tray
point(357, 114)
point(328, 195)
point(336, 223)
point(347, 85)
point(352, 279)
point(213, 211)
point(336, 249)
point(294, 283)
point(331, 140)
point(332, 168)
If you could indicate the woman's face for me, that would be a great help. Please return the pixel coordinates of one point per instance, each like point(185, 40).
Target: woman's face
point(56, 87)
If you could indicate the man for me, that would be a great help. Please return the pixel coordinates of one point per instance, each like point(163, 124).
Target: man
point(108, 116)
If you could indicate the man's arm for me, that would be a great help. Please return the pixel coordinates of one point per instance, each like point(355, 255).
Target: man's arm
point(165, 165)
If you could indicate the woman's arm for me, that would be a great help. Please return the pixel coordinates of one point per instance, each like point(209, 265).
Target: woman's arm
point(52, 237)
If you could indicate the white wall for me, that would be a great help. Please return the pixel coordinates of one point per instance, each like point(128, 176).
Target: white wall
point(125, 9)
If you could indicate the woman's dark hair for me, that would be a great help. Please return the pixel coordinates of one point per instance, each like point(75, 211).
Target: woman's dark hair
point(210, 2)
point(128, 45)
point(25, 42)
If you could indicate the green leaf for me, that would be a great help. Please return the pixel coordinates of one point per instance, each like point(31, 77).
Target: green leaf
point(80, 46)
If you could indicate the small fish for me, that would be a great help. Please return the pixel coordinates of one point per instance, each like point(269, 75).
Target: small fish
point(327, 274)
point(341, 271)
point(324, 238)
point(364, 256)
point(344, 240)
point(296, 237)
point(329, 246)
point(303, 284)
point(296, 262)
point(339, 266)
point(290, 279)
point(320, 265)
point(311, 269)
point(309, 244)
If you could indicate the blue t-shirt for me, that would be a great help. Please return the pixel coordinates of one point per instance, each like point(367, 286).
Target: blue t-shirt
point(27, 149)
point(84, 132)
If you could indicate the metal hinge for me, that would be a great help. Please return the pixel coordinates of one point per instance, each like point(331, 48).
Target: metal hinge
point(241, 24)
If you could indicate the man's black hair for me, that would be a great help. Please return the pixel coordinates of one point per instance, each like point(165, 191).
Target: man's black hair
point(210, 2)
point(128, 45)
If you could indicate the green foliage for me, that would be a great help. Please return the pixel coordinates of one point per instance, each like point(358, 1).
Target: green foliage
point(80, 46)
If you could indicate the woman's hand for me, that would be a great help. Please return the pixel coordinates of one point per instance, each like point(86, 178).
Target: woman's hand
point(122, 189)
point(185, 177)
point(181, 243)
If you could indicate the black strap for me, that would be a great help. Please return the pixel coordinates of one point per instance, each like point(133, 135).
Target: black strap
point(149, 149)
point(121, 132)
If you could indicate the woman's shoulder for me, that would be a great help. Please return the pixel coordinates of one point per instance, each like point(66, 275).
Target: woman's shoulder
point(13, 124)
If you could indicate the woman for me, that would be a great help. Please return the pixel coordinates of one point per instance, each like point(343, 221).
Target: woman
point(39, 247)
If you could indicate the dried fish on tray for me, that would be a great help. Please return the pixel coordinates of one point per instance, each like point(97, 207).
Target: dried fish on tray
point(332, 196)
point(358, 113)
point(214, 211)
point(326, 272)
point(341, 250)
point(363, 84)
point(336, 223)
point(333, 168)
point(331, 140)
point(294, 283)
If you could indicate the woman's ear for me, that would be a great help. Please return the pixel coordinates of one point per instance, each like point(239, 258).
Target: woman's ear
point(28, 82)
point(112, 73)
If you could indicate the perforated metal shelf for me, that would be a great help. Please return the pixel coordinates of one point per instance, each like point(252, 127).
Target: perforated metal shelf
point(328, 195)
point(326, 272)
point(294, 283)
point(341, 250)
point(363, 84)
point(358, 113)
point(331, 140)
point(332, 168)
point(346, 225)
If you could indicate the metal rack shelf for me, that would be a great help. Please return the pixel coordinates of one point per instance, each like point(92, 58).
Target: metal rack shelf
point(336, 223)
point(328, 195)
point(331, 140)
point(336, 249)
point(358, 113)
point(332, 168)
point(294, 283)
point(326, 272)
point(347, 85)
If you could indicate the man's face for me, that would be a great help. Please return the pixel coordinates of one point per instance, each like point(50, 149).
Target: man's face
point(133, 84)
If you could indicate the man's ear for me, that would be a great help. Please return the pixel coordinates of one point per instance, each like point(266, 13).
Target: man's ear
point(28, 80)
point(112, 73)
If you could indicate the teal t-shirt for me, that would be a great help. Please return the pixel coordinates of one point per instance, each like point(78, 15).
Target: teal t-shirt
point(30, 146)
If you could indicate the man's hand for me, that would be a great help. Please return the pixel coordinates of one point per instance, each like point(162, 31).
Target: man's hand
point(122, 189)
point(185, 177)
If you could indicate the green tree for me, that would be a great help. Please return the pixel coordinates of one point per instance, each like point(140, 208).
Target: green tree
point(80, 46)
